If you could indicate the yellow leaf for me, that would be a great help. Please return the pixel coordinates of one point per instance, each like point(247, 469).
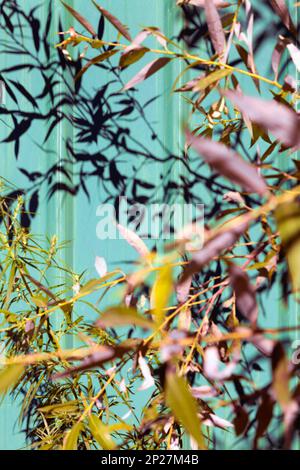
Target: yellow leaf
point(161, 292)
point(70, 407)
point(205, 82)
point(288, 221)
point(183, 406)
point(96, 60)
point(40, 300)
point(120, 316)
point(9, 375)
point(101, 433)
point(71, 438)
point(132, 55)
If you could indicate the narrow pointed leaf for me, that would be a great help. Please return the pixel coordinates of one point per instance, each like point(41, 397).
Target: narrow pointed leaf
point(244, 292)
point(96, 60)
point(80, 19)
point(134, 240)
point(276, 118)
point(114, 21)
point(71, 438)
point(183, 406)
point(213, 77)
point(101, 433)
point(288, 222)
point(147, 71)
point(280, 7)
point(9, 375)
point(161, 292)
point(280, 367)
point(215, 27)
point(228, 163)
point(121, 316)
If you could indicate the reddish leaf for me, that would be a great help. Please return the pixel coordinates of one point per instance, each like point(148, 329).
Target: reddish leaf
point(215, 27)
point(183, 289)
point(228, 163)
point(114, 21)
point(277, 118)
point(80, 19)
point(241, 420)
point(279, 6)
point(244, 292)
point(264, 416)
point(214, 247)
point(147, 71)
point(134, 240)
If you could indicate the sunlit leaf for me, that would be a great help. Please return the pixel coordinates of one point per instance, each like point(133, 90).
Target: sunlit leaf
point(134, 240)
point(295, 55)
point(288, 222)
point(280, 367)
point(161, 292)
point(131, 55)
point(213, 77)
point(9, 375)
point(121, 316)
point(228, 163)
point(101, 266)
point(183, 406)
point(146, 372)
point(71, 438)
point(277, 118)
point(101, 433)
point(59, 409)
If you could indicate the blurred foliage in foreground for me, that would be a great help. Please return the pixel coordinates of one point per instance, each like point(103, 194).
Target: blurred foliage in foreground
point(195, 341)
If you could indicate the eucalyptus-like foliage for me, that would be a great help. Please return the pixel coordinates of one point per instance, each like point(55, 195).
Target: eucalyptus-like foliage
point(197, 342)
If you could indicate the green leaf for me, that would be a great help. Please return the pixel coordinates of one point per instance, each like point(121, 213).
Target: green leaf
point(80, 19)
point(183, 406)
point(120, 316)
point(71, 438)
point(9, 375)
point(101, 433)
point(205, 82)
point(58, 409)
point(288, 222)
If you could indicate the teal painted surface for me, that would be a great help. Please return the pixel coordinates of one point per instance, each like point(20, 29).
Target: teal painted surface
point(79, 156)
